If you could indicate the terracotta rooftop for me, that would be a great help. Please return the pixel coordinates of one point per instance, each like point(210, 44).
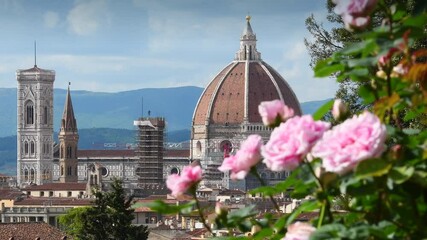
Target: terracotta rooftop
point(234, 94)
point(177, 153)
point(54, 201)
point(106, 153)
point(35, 69)
point(128, 153)
point(30, 231)
point(229, 192)
point(57, 187)
point(10, 194)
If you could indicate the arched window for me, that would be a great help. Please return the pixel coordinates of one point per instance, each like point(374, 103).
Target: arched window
point(62, 151)
point(69, 152)
point(62, 170)
point(26, 148)
point(29, 112)
point(32, 175)
point(26, 177)
point(32, 148)
point(45, 115)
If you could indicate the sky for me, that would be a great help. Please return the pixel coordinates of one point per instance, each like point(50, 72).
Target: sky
point(112, 46)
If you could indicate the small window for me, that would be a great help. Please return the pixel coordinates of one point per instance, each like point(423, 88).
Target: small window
point(69, 152)
point(41, 194)
point(32, 148)
point(26, 147)
point(69, 194)
point(29, 113)
point(51, 194)
point(45, 115)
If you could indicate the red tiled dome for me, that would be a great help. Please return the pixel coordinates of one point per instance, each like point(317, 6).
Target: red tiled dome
point(234, 94)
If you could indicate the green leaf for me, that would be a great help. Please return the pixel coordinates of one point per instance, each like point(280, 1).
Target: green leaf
point(356, 47)
point(411, 131)
point(307, 206)
point(265, 233)
point(417, 21)
point(401, 174)
point(323, 110)
point(325, 68)
point(367, 93)
point(162, 207)
point(276, 189)
point(420, 178)
point(372, 168)
point(329, 231)
point(358, 62)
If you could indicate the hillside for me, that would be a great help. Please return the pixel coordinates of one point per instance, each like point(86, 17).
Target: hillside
point(107, 110)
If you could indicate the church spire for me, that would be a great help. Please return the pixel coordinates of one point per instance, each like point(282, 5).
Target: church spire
point(248, 40)
point(68, 123)
point(68, 143)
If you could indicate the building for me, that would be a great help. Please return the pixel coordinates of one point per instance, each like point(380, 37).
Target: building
point(150, 150)
point(34, 125)
point(68, 143)
point(227, 111)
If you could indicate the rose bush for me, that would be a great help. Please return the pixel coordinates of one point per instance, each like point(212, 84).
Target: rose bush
point(365, 176)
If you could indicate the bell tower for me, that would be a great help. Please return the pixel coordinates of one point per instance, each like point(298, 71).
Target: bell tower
point(68, 141)
point(34, 125)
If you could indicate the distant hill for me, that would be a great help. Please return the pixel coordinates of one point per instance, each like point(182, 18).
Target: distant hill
point(119, 110)
point(112, 110)
point(312, 106)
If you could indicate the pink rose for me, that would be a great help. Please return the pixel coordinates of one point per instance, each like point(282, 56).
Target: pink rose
point(359, 138)
point(339, 109)
point(179, 184)
point(355, 13)
point(271, 110)
point(291, 141)
point(246, 157)
point(299, 231)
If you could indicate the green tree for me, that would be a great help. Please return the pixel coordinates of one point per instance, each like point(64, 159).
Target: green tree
point(325, 42)
point(110, 217)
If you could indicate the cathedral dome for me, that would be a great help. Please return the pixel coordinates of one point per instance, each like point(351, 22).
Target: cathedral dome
point(233, 96)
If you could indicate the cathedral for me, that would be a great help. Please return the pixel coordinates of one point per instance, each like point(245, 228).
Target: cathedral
point(225, 114)
point(227, 111)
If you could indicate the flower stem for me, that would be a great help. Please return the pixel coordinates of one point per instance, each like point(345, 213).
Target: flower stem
point(322, 215)
point(201, 213)
point(326, 205)
point(255, 173)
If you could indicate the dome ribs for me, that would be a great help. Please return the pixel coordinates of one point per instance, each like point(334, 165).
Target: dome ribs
point(227, 101)
point(288, 94)
point(261, 88)
point(202, 108)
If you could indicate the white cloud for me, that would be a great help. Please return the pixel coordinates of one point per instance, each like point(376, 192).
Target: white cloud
point(50, 19)
point(87, 17)
point(297, 52)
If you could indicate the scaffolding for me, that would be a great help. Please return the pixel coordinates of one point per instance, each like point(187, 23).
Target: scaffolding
point(150, 149)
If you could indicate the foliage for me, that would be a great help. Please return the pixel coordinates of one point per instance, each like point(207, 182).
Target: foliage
point(325, 42)
point(110, 217)
point(380, 188)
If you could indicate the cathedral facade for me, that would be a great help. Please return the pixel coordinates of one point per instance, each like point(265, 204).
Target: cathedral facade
point(227, 111)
